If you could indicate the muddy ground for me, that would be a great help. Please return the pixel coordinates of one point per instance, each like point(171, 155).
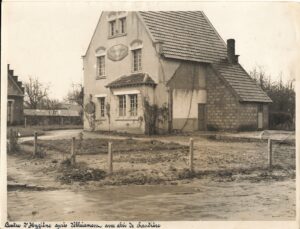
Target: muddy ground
point(231, 181)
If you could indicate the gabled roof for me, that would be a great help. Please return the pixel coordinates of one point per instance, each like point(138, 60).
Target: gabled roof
point(14, 79)
point(185, 35)
point(241, 83)
point(134, 79)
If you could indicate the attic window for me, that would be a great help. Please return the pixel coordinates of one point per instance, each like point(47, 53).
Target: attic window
point(117, 27)
point(122, 25)
point(112, 28)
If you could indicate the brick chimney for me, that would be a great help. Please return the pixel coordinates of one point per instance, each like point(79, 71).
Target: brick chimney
point(232, 58)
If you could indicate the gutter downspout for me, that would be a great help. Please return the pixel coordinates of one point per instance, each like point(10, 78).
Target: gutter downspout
point(170, 109)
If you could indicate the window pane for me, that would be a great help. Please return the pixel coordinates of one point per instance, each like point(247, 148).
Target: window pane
point(112, 27)
point(133, 105)
point(137, 59)
point(101, 65)
point(102, 107)
point(122, 105)
point(123, 25)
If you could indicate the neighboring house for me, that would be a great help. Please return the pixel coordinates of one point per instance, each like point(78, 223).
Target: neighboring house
point(51, 117)
point(177, 63)
point(15, 98)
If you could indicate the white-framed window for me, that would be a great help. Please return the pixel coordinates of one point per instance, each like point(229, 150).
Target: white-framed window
point(122, 105)
point(112, 28)
point(133, 105)
point(100, 65)
point(122, 25)
point(137, 60)
point(102, 106)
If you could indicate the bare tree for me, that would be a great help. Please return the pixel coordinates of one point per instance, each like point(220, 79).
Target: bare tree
point(50, 104)
point(35, 92)
point(75, 95)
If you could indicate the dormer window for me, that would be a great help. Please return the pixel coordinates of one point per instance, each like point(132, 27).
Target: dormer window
point(112, 28)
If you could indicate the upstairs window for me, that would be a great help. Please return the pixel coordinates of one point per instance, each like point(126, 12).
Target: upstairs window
point(122, 105)
point(137, 60)
point(122, 25)
point(112, 28)
point(133, 105)
point(100, 65)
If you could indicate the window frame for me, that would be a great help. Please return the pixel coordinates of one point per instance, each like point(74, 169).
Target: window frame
point(122, 105)
point(102, 106)
point(122, 25)
point(133, 99)
point(100, 65)
point(112, 28)
point(137, 60)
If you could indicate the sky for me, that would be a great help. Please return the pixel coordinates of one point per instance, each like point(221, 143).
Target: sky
point(46, 40)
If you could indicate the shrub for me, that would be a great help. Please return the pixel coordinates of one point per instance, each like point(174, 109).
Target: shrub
point(281, 120)
point(212, 127)
point(249, 127)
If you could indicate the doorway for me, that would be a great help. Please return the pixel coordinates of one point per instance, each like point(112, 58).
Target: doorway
point(201, 116)
point(260, 117)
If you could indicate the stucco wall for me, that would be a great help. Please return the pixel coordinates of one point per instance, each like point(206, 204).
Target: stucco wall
point(189, 89)
point(115, 69)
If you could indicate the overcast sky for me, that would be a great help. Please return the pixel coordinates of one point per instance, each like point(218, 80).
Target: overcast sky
point(46, 40)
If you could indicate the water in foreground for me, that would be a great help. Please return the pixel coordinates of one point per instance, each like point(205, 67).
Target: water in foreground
point(199, 200)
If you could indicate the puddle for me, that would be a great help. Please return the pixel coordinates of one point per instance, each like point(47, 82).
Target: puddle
point(157, 202)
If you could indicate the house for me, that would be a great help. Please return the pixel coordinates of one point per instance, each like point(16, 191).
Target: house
point(15, 98)
point(52, 117)
point(150, 72)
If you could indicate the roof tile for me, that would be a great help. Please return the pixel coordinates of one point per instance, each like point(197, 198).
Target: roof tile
point(241, 83)
point(186, 35)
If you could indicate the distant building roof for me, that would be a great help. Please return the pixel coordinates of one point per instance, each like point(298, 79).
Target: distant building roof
point(241, 83)
point(134, 79)
point(185, 35)
point(72, 107)
point(37, 112)
point(17, 88)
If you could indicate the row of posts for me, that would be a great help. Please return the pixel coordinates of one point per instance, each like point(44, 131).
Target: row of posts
point(110, 155)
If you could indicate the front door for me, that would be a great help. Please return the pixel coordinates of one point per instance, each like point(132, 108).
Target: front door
point(201, 116)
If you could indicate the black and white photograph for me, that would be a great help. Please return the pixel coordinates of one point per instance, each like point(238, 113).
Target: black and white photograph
point(146, 113)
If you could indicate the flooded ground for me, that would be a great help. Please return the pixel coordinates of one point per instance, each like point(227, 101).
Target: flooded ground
point(34, 193)
point(200, 200)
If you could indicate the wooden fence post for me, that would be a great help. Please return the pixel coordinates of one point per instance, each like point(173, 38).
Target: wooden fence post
point(110, 158)
point(35, 144)
point(270, 152)
point(25, 122)
point(191, 154)
point(73, 151)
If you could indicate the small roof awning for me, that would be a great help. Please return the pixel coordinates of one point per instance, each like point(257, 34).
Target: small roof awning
point(135, 79)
